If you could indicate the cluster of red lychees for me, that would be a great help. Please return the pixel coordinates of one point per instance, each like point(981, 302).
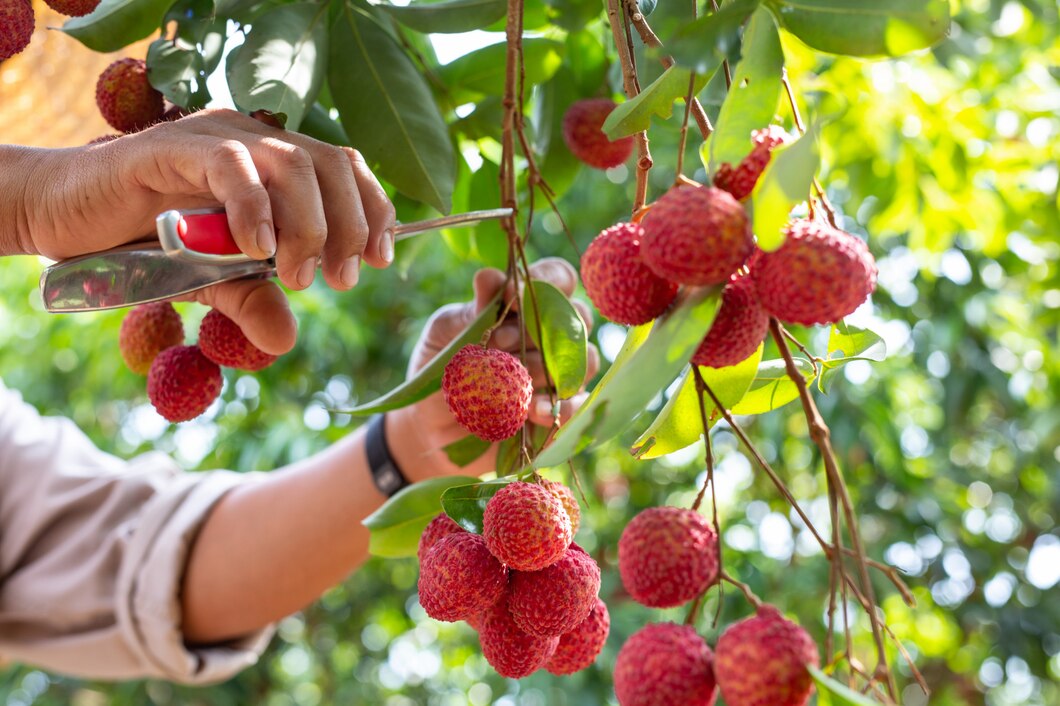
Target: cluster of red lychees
point(529, 591)
point(182, 381)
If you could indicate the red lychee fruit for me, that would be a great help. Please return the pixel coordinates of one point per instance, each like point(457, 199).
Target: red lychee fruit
point(582, 131)
point(578, 648)
point(440, 526)
point(512, 652)
point(762, 660)
point(223, 342)
point(126, 98)
point(667, 556)
point(818, 276)
point(460, 579)
point(16, 19)
point(696, 235)
point(488, 391)
point(738, 329)
point(622, 287)
point(556, 599)
point(664, 664)
point(740, 180)
point(146, 331)
point(182, 383)
point(526, 527)
point(566, 498)
point(73, 8)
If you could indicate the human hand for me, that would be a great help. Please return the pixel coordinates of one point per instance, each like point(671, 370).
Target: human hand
point(418, 434)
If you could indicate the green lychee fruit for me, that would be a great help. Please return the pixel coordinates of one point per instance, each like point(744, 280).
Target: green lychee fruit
point(556, 599)
point(740, 180)
point(126, 98)
point(16, 19)
point(617, 280)
point(146, 331)
point(566, 498)
point(585, 138)
point(696, 236)
point(779, 651)
point(223, 342)
point(512, 652)
point(459, 578)
point(578, 648)
point(73, 8)
point(738, 329)
point(667, 556)
point(488, 391)
point(440, 526)
point(664, 664)
point(183, 383)
point(526, 527)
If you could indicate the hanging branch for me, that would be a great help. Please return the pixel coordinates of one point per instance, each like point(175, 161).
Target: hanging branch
point(629, 82)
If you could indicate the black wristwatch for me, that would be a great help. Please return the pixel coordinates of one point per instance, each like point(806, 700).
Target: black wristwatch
point(385, 473)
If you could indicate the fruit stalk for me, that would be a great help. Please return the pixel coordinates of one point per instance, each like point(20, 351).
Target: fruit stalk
point(629, 83)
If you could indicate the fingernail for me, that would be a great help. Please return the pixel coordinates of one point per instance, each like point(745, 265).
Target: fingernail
point(386, 246)
point(351, 271)
point(543, 407)
point(266, 239)
point(306, 272)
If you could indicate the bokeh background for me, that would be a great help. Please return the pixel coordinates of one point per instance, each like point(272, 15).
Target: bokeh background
point(946, 161)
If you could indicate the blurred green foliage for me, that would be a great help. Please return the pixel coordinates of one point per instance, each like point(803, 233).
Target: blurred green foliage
point(946, 161)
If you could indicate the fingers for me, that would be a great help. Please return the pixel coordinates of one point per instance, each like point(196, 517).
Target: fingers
point(486, 284)
point(542, 412)
point(259, 308)
point(557, 272)
point(378, 210)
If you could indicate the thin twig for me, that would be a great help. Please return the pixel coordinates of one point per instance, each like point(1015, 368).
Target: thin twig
point(629, 82)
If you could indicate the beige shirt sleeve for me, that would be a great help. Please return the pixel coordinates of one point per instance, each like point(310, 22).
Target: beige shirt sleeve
point(92, 552)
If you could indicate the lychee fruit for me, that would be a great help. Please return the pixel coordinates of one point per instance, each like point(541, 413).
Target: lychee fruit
point(526, 527)
point(738, 329)
point(440, 526)
point(578, 648)
point(146, 331)
point(779, 651)
point(667, 556)
point(73, 8)
point(566, 498)
point(556, 599)
point(664, 664)
point(488, 391)
point(740, 180)
point(696, 235)
point(223, 342)
point(459, 578)
point(818, 276)
point(126, 98)
point(16, 18)
point(182, 383)
point(622, 287)
point(585, 138)
point(512, 652)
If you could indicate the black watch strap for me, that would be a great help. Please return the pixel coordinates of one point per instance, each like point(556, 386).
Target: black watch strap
point(385, 473)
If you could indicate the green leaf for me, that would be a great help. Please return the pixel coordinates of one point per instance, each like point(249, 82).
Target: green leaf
point(832, 693)
point(772, 388)
point(866, 28)
point(402, 130)
point(280, 66)
point(563, 338)
point(847, 343)
point(785, 182)
point(115, 24)
point(481, 72)
point(448, 17)
point(752, 100)
point(464, 451)
point(428, 379)
point(318, 124)
point(177, 69)
point(679, 424)
point(629, 388)
point(703, 44)
point(634, 115)
point(466, 503)
point(396, 526)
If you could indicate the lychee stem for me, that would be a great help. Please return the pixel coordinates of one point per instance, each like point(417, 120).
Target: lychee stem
point(632, 88)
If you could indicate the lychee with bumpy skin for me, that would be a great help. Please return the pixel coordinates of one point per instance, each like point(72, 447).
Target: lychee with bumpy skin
point(664, 664)
point(526, 527)
point(460, 579)
point(667, 556)
point(622, 287)
point(488, 391)
point(440, 526)
point(578, 648)
point(696, 235)
point(566, 498)
point(738, 329)
point(556, 599)
point(585, 138)
point(818, 276)
point(73, 8)
point(146, 331)
point(223, 342)
point(512, 652)
point(182, 383)
point(126, 98)
point(16, 19)
point(740, 180)
point(762, 661)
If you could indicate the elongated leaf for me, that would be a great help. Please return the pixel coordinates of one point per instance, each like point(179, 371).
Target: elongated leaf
point(466, 503)
point(447, 17)
point(785, 182)
point(429, 378)
point(385, 102)
point(634, 115)
point(396, 526)
point(176, 68)
point(703, 44)
point(772, 388)
point(481, 72)
point(317, 123)
point(464, 451)
point(563, 338)
point(865, 27)
point(115, 24)
point(832, 693)
point(847, 343)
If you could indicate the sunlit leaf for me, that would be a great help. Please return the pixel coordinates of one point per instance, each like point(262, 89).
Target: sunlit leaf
point(562, 338)
point(115, 24)
point(634, 115)
point(447, 17)
point(832, 693)
point(703, 44)
point(772, 388)
point(785, 182)
point(397, 525)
